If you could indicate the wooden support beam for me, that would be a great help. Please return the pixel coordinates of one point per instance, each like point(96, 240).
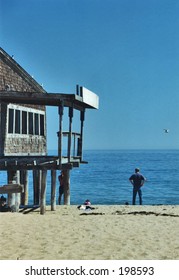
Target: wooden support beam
point(17, 195)
point(53, 190)
point(86, 99)
point(24, 182)
point(12, 179)
point(14, 197)
point(36, 185)
point(66, 187)
point(15, 163)
point(43, 193)
point(11, 188)
point(60, 141)
point(70, 133)
point(80, 140)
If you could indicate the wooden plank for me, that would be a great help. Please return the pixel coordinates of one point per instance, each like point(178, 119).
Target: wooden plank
point(45, 166)
point(11, 188)
point(27, 163)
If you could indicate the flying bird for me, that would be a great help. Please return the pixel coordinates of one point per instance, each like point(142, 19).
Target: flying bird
point(166, 130)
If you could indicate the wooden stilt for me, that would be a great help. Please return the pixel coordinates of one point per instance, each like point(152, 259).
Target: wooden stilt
point(70, 133)
point(11, 199)
point(53, 190)
point(36, 186)
point(11, 180)
point(40, 183)
point(80, 140)
point(66, 187)
point(14, 198)
point(60, 142)
point(24, 181)
point(43, 193)
point(17, 195)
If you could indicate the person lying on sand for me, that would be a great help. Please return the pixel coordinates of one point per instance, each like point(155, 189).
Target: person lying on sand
point(86, 205)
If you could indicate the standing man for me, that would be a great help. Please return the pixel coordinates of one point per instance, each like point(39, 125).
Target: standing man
point(137, 180)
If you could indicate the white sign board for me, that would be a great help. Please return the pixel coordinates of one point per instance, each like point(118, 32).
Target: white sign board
point(90, 98)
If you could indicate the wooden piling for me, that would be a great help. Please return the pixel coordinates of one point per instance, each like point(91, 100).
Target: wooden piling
point(53, 190)
point(60, 138)
point(43, 192)
point(13, 198)
point(17, 195)
point(24, 181)
point(66, 186)
point(80, 140)
point(70, 114)
point(36, 185)
point(11, 179)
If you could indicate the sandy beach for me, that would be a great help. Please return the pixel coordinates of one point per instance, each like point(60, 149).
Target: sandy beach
point(105, 233)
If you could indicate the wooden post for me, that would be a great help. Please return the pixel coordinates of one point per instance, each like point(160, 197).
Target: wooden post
point(70, 132)
point(17, 195)
point(60, 142)
point(40, 183)
point(11, 179)
point(43, 193)
point(77, 89)
point(53, 190)
point(36, 185)
point(80, 140)
point(66, 186)
point(13, 198)
point(24, 181)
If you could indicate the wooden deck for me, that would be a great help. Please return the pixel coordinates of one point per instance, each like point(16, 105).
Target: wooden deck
point(38, 163)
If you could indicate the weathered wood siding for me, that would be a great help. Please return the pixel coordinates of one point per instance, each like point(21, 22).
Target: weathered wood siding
point(13, 81)
point(14, 78)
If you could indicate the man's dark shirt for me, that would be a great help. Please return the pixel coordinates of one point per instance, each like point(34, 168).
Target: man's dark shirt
point(137, 178)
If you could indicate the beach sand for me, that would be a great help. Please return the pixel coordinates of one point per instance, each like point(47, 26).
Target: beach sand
point(105, 233)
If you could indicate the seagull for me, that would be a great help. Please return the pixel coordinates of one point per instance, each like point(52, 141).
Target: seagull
point(166, 130)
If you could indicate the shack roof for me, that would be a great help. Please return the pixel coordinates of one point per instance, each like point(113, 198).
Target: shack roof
point(87, 99)
point(10, 61)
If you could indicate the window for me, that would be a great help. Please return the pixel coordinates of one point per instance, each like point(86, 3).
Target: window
point(36, 124)
point(42, 124)
point(11, 121)
point(31, 126)
point(17, 121)
point(24, 122)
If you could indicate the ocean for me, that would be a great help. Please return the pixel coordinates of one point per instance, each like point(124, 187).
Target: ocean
point(105, 179)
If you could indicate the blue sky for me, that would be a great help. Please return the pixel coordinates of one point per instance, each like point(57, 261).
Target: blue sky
point(126, 51)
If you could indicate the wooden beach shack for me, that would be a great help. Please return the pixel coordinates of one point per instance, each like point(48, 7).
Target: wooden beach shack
point(23, 134)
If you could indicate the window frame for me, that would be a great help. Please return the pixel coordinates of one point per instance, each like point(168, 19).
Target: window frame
point(25, 121)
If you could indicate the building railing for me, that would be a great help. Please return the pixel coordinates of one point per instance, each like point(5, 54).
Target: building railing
point(71, 146)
